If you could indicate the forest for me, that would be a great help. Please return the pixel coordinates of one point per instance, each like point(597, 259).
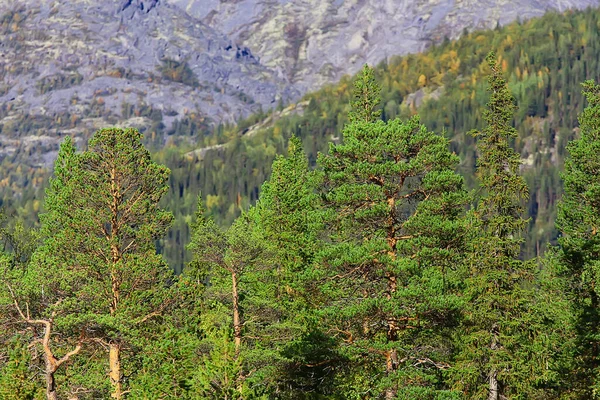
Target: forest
point(544, 61)
point(376, 274)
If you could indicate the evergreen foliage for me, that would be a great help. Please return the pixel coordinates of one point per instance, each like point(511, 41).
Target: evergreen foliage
point(16, 376)
point(97, 272)
point(543, 59)
point(496, 357)
point(287, 218)
point(376, 275)
point(394, 206)
point(578, 221)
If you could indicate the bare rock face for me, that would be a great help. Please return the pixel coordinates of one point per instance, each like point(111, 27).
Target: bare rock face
point(312, 42)
point(62, 56)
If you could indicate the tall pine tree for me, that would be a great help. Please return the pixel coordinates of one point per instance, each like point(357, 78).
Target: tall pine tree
point(100, 229)
point(33, 306)
point(226, 259)
point(287, 218)
point(394, 205)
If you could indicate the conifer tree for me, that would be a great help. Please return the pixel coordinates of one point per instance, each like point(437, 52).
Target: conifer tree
point(16, 381)
point(257, 272)
point(390, 274)
point(218, 368)
point(99, 251)
point(31, 313)
point(287, 219)
point(579, 221)
point(495, 358)
point(367, 97)
point(225, 258)
point(285, 213)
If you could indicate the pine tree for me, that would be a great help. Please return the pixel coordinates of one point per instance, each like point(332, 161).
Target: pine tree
point(219, 367)
point(32, 313)
point(99, 251)
point(367, 97)
point(257, 272)
point(394, 205)
point(579, 221)
point(226, 259)
point(495, 359)
point(17, 377)
point(16, 381)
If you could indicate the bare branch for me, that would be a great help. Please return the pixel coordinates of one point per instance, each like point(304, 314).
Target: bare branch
point(70, 354)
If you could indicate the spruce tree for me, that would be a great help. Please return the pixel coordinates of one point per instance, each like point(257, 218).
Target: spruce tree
point(390, 274)
point(287, 219)
point(286, 211)
point(579, 221)
point(495, 351)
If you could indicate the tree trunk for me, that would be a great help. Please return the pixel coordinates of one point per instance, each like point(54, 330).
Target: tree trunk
point(114, 352)
point(237, 326)
point(115, 371)
point(493, 377)
point(493, 386)
point(50, 381)
point(237, 322)
point(391, 365)
point(391, 362)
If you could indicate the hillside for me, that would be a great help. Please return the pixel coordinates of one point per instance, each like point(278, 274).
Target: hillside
point(182, 71)
point(313, 42)
point(544, 60)
point(70, 68)
point(176, 69)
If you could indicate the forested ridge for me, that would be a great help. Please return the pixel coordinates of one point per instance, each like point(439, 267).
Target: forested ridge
point(377, 274)
point(544, 61)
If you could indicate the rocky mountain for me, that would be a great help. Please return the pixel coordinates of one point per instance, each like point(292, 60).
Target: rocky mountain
point(221, 58)
point(175, 68)
point(314, 42)
point(126, 51)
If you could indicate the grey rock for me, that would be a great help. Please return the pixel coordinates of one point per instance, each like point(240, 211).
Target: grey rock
point(314, 42)
point(96, 40)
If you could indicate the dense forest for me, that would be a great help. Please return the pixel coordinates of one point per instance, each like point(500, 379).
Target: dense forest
point(377, 274)
point(544, 60)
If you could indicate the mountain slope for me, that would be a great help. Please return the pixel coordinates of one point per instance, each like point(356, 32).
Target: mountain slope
point(68, 68)
point(177, 68)
point(314, 42)
point(544, 60)
point(89, 59)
